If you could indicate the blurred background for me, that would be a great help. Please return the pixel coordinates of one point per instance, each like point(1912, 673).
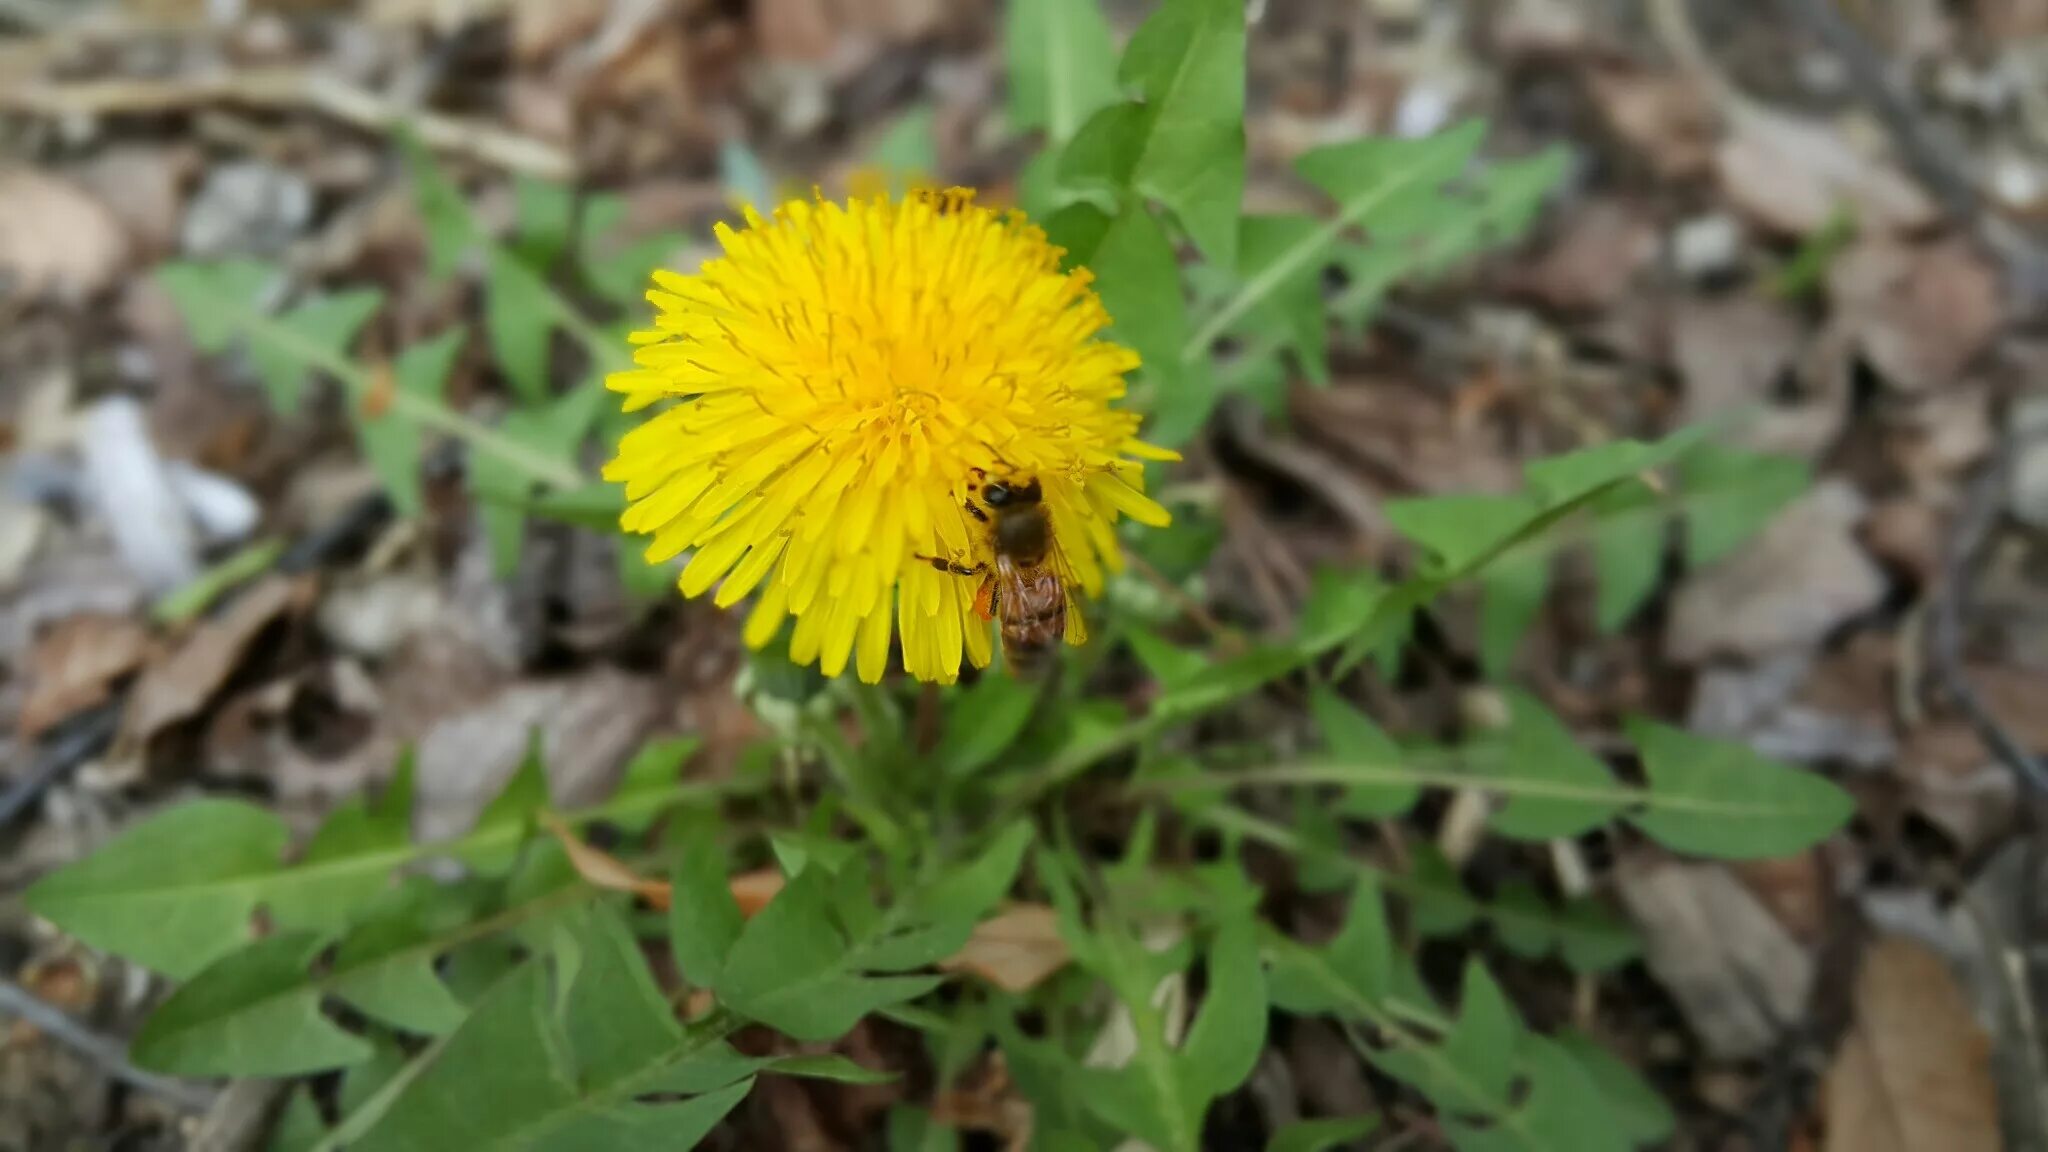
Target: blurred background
point(1829, 214)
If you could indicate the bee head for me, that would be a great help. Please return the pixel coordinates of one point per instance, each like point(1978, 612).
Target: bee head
point(1000, 494)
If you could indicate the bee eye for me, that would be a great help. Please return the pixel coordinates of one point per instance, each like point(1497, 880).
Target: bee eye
point(996, 494)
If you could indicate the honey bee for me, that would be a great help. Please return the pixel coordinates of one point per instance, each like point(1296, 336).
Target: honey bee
point(1023, 587)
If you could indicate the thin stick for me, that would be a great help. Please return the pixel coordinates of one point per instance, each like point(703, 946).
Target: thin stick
point(293, 90)
point(105, 1053)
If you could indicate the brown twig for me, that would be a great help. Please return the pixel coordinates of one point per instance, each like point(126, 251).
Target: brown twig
point(1945, 629)
point(103, 1052)
point(290, 90)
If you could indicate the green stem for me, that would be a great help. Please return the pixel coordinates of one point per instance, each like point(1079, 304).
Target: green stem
point(361, 385)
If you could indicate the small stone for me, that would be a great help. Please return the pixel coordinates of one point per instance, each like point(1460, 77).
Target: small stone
point(1707, 246)
point(248, 208)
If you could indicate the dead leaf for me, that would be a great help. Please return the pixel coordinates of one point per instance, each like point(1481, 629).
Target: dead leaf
point(1917, 314)
point(178, 688)
point(1794, 888)
point(1016, 949)
point(1661, 117)
point(1914, 1073)
point(603, 870)
point(1591, 264)
point(1735, 970)
point(75, 664)
point(56, 241)
point(1788, 587)
point(1792, 175)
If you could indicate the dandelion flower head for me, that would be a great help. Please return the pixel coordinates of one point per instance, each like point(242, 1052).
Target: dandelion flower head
point(834, 381)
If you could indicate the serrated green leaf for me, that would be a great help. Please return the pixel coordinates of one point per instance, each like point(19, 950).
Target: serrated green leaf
point(451, 231)
point(1563, 1111)
point(1719, 798)
point(1538, 748)
point(792, 969)
point(1062, 65)
point(1139, 281)
point(1438, 902)
point(1588, 937)
point(970, 892)
point(704, 919)
point(392, 441)
point(1318, 1135)
point(1267, 245)
point(519, 319)
point(1188, 62)
point(827, 1066)
point(1460, 530)
point(362, 1082)
point(653, 772)
point(553, 430)
point(326, 324)
point(386, 968)
point(1356, 966)
point(1471, 1068)
point(1635, 1109)
point(214, 298)
point(505, 1080)
point(1349, 734)
point(239, 1017)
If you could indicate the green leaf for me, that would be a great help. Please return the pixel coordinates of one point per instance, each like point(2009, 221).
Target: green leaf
point(386, 968)
point(794, 970)
point(173, 893)
point(327, 323)
point(519, 319)
point(972, 891)
point(238, 1018)
point(544, 215)
point(391, 441)
point(1628, 556)
point(1640, 1115)
point(1463, 529)
point(214, 298)
point(1062, 65)
point(1225, 1040)
point(1562, 1111)
point(554, 430)
point(1719, 798)
point(827, 1066)
point(1588, 937)
point(1538, 748)
point(1139, 280)
point(1318, 1135)
point(1350, 735)
point(1731, 495)
point(300, 1126)
point(908, 148)
point(982, 721)
point(1187, 61)
point(1474, 1064)
point(508, 1079)
point(704, 919)
point(1267, 247)
point(1511, 594)
point(1357, 966)
point(451, 231)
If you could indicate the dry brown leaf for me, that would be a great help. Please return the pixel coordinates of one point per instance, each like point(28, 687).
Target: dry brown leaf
point(1792, 175)
point(1663, 117)
point(1917, 313)
point(74, 665)
point(1016, 949)
point(1786, 588)
point(55, 239)
point(1736, 972)
point(604, 870)
point(179, 688)
point(1593, 261)
point(1914, 1073)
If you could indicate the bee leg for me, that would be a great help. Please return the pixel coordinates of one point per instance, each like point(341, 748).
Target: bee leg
point(945, 565)
point(974, 510)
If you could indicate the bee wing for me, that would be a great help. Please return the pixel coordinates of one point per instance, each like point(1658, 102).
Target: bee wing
point(1077, 626)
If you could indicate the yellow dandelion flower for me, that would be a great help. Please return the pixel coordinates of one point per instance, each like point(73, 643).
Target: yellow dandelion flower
point(842, 379)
